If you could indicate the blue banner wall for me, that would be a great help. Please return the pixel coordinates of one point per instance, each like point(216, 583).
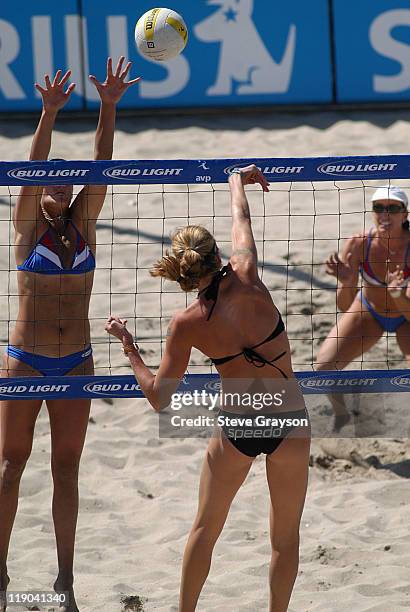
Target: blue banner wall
point(372, 40)
point(35, 39)
point(239, 52)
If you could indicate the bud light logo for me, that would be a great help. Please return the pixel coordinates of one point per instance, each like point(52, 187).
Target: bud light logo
point(270, 170)
point(342, 384)
point(213, 385)
point(132, 171)
point(11, 389)
point(317, 383)
point(401, 381)
point(53, 175)
point(231, 169)
point(352, 169)
point(109, 388)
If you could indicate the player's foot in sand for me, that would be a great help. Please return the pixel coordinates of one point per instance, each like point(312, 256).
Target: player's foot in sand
point(340, 421)
point(4, 582)
point(70, 605)
point(342, 415)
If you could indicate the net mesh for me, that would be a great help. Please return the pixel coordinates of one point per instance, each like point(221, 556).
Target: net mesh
point(296, 226)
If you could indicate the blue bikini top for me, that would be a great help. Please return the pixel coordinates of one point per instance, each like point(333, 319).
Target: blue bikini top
point(43, 259)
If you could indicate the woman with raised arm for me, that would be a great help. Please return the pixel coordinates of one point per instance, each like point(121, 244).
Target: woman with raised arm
point(382, 258)
point(235, 321)
point(55, 242)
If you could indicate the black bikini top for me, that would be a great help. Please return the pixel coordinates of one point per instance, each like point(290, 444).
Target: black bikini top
point(211, 293)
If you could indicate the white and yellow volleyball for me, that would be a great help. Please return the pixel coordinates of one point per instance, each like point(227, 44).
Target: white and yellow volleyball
point(161, 34)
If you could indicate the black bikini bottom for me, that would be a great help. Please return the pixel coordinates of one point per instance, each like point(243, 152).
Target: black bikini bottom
point(261, 433)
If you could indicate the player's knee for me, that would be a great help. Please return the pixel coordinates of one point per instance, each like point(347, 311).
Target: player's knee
point(285, 544)
point(206, 533)
point(331, 364)
point(326, 364)
point(12, 468)
point(65, 468)
point(326, 359)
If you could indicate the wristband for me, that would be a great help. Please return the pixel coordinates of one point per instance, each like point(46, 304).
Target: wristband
point(396, 293)
point(130, 348)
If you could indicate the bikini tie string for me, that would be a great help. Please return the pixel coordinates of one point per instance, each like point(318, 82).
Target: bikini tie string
point(258, 361)
point(211, 291)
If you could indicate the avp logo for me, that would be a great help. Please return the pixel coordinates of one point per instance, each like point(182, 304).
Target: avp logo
point(401, 381)
point(203, 164)
point(130, 171)
point(250, 64)
point(203, 178)
point(346, 167)
point(54, 175)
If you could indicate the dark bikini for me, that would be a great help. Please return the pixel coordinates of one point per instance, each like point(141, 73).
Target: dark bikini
point(263, 444)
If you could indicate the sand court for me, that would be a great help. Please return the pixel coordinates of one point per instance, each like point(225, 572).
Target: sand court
point(139, 492)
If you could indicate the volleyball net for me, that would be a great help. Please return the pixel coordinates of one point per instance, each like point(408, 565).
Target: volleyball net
point(313, 206)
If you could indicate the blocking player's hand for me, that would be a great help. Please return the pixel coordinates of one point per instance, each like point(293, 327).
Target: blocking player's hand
point(115, 85)
point(55, 95)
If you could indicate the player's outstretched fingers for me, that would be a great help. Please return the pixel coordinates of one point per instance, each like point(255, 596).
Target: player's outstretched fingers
point(40, 89)
point(109, 67)
point(65, 78)
point(119, 66)
point(125, 71)
point(57, 78)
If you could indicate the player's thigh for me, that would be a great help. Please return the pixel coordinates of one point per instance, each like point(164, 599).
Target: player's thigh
point(223, 472)
point(355, 332)
point(287, 474)
point(69, 421)
point(68, 424)
point(403, 339)
point(17, 417)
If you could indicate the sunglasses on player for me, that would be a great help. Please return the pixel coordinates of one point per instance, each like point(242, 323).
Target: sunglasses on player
point(391, 209)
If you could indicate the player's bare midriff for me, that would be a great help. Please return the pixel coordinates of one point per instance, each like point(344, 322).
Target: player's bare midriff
point(53, 313)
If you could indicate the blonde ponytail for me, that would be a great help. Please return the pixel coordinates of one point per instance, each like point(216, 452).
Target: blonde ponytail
point(194, 255)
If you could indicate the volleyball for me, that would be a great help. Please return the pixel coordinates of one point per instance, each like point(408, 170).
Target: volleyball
point(160, 34)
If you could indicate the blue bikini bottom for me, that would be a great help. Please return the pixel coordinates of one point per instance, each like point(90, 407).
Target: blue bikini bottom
point(51, 366)
point(389, 324)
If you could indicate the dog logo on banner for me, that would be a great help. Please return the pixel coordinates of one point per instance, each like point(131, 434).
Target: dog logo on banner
point(244, 57)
